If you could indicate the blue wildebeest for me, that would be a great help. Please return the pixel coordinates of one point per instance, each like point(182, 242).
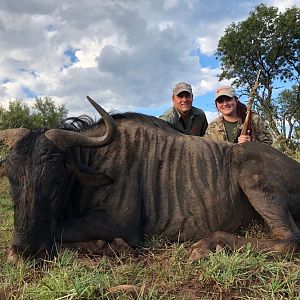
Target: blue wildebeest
point(131, 175)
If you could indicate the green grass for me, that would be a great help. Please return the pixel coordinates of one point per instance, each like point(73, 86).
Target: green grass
point(296, 156)
point(159, 270)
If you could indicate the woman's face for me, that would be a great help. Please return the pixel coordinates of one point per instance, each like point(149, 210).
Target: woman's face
point(227, 106)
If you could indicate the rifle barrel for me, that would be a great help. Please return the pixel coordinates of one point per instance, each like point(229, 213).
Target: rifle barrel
point(250, 104)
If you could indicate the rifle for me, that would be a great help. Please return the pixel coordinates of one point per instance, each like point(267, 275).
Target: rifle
point(250, 104)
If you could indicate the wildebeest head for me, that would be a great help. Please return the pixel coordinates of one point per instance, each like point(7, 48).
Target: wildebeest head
point(41, 172)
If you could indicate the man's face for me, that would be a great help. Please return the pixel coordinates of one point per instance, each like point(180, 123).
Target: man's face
point(183, 102)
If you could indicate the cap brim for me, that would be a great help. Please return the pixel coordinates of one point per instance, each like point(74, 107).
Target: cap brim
point(182, 90)
point(224, 94)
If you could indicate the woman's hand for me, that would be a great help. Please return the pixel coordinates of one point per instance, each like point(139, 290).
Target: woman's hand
point(244, 138)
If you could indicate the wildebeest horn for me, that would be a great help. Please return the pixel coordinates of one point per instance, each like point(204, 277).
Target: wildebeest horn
point(10, 137)
point(64, 139)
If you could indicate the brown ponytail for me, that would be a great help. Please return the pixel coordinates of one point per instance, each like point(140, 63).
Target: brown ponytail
point(241, 109)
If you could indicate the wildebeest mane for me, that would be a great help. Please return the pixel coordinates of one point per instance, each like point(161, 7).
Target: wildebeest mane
point(26, 145)
point(142, 119)
point(78, 123)
point(85, 122)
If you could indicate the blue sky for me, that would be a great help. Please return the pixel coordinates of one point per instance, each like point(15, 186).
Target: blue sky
point(126, 54)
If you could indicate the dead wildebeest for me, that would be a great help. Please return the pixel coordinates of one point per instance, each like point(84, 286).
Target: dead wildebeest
point(132, 175)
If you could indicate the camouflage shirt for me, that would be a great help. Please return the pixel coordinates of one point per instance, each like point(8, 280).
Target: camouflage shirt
point(196, 124)
point(216, 130)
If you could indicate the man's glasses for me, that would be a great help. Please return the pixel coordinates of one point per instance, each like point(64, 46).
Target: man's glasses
point(184, 94)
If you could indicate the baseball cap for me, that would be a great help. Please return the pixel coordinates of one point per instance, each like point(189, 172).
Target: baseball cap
point(182, 87)
point(225, 91)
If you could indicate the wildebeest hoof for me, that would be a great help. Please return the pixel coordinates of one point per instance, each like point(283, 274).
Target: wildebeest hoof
point(202, 248)
point(119, 246)
point(96, 247)
point(219, 248)
point(101, 247)
point(13, 257)
point(199, 250)
point(197, 254)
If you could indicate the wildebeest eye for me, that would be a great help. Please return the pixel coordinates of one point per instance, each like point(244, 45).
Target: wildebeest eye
point(48, 156)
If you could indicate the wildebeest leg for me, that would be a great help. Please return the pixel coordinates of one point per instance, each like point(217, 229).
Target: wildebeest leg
point(220, 240)
point(101, 247)
point(275, 212)
point(270, 200)
point(98, 226)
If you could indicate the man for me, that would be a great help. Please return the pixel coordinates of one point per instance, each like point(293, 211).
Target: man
point(183, 116)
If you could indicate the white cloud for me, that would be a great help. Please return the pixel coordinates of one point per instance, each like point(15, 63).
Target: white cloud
point(211, 115)
point(206, 44)
point(128, 53)
point(282, 5)
point(168, 4)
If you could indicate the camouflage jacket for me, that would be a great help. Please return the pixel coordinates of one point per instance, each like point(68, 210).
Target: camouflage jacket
point(216, 130)
point(195, 125)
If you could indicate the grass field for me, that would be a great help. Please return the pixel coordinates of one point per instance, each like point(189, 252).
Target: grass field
point(159, 270)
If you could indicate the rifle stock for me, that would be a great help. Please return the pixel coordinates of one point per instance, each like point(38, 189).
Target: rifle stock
point(250, 104)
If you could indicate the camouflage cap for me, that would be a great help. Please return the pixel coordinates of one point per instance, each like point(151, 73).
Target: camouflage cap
point(182, 87)
point(225, 91)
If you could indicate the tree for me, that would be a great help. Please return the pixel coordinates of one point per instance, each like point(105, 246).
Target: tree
point(47, 114)
point(17, 115)
point(288, 112)
point(2, 110)
point(267, 40)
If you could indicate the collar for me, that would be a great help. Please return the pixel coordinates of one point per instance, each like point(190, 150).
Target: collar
point(223, 119)
point(192, 113)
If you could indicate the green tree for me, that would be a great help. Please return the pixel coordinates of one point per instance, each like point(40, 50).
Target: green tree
point(267, 40)
point(17, 115)
point(47, 114)
point(288, 115)
point(2, 110)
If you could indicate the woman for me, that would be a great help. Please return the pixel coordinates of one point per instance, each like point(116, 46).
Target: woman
point(227, 127)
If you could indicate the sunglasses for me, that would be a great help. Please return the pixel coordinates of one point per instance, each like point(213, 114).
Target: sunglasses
point(221, 100)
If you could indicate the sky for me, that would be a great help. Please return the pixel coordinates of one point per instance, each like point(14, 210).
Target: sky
point(125, 54)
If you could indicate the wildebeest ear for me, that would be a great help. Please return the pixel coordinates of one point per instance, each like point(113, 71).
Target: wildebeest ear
point(2, 168)
point(85, 174)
